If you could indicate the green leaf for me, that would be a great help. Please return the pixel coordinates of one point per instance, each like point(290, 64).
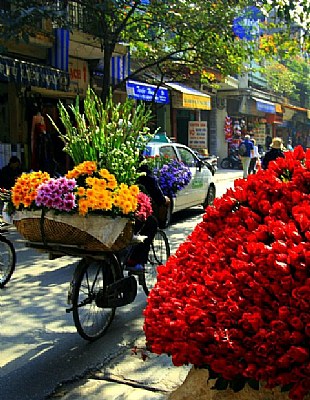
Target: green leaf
point(220, 384)
point(253, 384)
point(237, 384)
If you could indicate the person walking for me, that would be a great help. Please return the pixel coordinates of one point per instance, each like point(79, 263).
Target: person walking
point(289, 145)
point(254, 159)
point(276, 150)
point(246, 151)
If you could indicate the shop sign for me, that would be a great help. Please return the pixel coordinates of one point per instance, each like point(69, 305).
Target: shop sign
point(30, 74)
point(265, 106)
point(196, 101)
point(143, 91)
point(79, 76)
point(198, 134)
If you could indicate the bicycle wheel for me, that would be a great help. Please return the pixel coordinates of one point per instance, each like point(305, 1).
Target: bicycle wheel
point(89, 285)
point(7, 260)
point(158, 255)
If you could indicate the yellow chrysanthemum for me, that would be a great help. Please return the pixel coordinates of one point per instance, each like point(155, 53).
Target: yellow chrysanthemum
point(134, 190)
point(104, 173)
point(81, 191)
point(112, 184)
point(85, 168)
point(83, 206)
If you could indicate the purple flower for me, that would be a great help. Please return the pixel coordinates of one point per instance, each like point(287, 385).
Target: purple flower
point(173, 177)
point(57, 194)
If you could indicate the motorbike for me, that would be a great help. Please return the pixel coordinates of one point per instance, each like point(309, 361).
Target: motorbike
point(211, 161)
point(232, 161)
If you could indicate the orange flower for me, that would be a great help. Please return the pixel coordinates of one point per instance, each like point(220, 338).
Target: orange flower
point(25, 189)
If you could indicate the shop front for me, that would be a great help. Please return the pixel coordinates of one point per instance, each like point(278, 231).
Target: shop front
point(190, 116)
point(17, 78)
point(256, 116)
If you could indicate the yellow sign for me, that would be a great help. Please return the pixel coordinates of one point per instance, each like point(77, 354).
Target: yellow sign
point(278, 108)
point(196, 101)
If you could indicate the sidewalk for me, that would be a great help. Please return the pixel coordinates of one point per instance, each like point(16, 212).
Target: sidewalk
point(127, 376)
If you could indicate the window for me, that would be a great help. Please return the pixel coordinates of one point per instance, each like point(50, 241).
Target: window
point(187, 157)
point(168, 152)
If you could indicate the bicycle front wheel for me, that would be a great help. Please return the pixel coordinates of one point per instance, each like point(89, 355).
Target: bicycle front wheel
point(158, 255)
point(89, 285)
point(7, 260)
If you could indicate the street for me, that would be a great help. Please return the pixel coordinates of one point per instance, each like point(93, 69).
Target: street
point(39, 344)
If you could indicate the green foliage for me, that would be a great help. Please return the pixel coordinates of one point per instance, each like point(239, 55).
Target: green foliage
point(280, 79)
point(176, 38)
point(112, 134)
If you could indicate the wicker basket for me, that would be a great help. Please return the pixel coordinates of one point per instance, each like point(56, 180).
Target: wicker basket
point(62, 232)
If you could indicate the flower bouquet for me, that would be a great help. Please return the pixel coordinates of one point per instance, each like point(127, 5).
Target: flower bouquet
point(95, 203)
point(76, 200)
point(235, 299)
point(172, 175)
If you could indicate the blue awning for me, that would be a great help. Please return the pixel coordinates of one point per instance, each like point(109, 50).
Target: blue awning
point(144, 91)
point(265, 106)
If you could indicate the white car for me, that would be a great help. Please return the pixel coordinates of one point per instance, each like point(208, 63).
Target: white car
point(201, 189)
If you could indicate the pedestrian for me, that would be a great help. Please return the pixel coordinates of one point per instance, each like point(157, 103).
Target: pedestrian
point(246, 151)
point(276, 151)
point(10, 172)
point(289, 145)
point(254, 159)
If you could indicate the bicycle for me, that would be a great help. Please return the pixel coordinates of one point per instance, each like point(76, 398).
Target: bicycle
point(99, 285)
point(7, 256)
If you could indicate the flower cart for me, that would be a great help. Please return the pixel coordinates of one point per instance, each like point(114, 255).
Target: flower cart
point(89, 212)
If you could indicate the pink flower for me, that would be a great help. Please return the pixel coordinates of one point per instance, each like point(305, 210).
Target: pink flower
point(144, 209)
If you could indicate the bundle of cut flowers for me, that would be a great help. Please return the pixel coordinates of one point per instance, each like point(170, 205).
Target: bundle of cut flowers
point(235, 297)
point(172, 177)
point(86, 189)
point(111, 134)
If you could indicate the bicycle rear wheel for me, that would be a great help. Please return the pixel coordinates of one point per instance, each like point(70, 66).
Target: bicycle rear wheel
point(7, 260)
point(87, 288)
point(158, 255)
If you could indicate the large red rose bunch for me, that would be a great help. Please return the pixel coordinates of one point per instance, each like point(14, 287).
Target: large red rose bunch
point(235, 298)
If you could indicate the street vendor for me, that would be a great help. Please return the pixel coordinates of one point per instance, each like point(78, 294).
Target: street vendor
point(148, 228)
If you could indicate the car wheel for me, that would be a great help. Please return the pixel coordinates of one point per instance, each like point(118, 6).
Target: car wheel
point(210, 196)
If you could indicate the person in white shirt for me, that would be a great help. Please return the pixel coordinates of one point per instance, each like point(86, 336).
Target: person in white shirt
point(254, 158)
point(289, 145)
